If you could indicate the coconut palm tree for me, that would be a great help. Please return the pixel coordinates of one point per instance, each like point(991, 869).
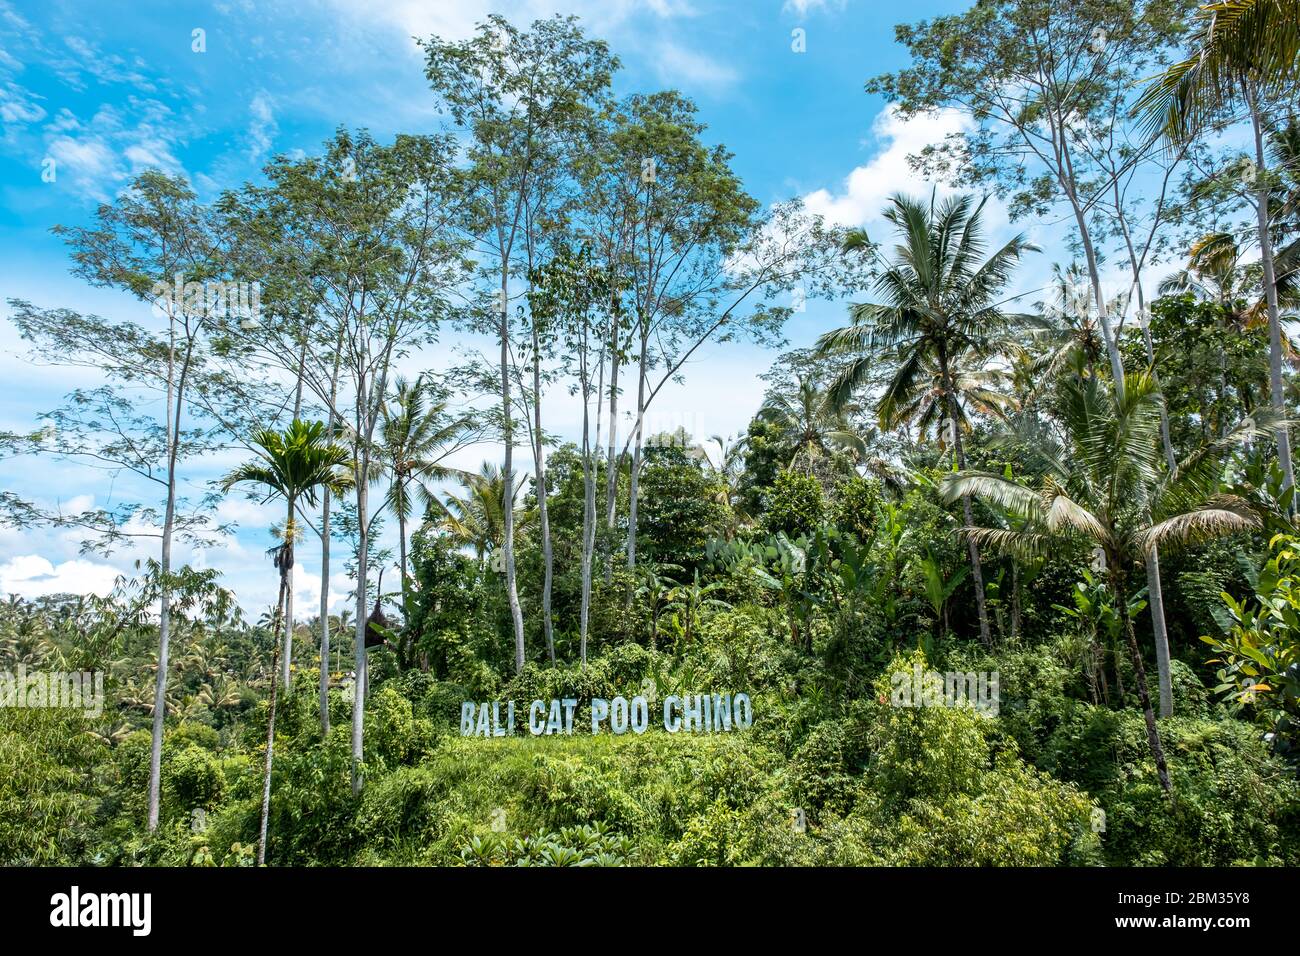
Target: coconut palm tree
point(927, 408)
point(1072, 333)
point(1244, 53)
point(940, 302)
point(295, 465)
point(476, 517)
point(1106, 486)
point(817, 432)
point(728, 470)
point(1215, 272)
point(416, 436)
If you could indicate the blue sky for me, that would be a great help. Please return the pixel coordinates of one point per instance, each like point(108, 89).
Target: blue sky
point(106, 90)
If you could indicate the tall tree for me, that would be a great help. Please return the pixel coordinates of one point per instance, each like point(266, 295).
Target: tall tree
point(567, 294)
point(416, 436)
point(1048, 90)
point(294, 466)
point(519, 95)
point(703, 261)
point(156, 242)
point(1107, 487)
point(941, 301)
point(1245, 54)
point(366, 236)
point(817, 434)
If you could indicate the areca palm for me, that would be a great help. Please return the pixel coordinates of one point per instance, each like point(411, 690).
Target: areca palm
point(940, 303)
point(416, 437)
point(295, 465)
point(1243, 53)
point(1106, 486)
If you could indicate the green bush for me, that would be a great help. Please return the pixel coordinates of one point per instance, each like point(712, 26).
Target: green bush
point(794, 505)
point(193, 778)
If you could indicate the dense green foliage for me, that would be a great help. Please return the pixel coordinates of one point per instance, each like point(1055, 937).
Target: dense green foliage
point(830, 773)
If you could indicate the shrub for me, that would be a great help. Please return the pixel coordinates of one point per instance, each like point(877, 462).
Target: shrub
point(193, 779)
point(794, 505)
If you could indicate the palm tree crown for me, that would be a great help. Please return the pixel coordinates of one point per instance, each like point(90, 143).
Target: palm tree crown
point(1106, 486)
point(1235, 43)
point(416, 436)
point(1096, 486)
point(476, 517)
point(940, 299)
point(815, 430)
point(295, 463)
point(940, 320)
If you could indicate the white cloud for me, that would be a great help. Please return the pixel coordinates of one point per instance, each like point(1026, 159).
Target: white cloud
point(454, 21)
point(98, 156)
point(17, 104)
point(107, 67)
point(89, 161)
point(802, 7)
point(31, 575)
point(692, 70)
point(151, 152)
point(262, 130)
point(867, 189)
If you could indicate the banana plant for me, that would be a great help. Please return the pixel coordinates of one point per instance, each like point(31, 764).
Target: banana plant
point(785, 572)
point(655, 593)
point(690, 600)
point(938, 588)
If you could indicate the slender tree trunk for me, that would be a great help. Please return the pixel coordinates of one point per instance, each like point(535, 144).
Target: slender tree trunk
point(1015, 599)
point(508, 480)
point(1270, 295)
point(286, 676)
point(174, 403)
point(977, 570)
point(1066, 178)
point(325, 615)
point(164, 639)
point(325, 556)
point(1140, 675)
point(401, 556)
point(543, 512)
point(589, 473)
point(588, 546)
point(1155, 594)
point(634, 479)
point(361, 679)
point(270, 725)
point(611, 463)
point(286, 663)
point(1156, 602)
point(1119, 673)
